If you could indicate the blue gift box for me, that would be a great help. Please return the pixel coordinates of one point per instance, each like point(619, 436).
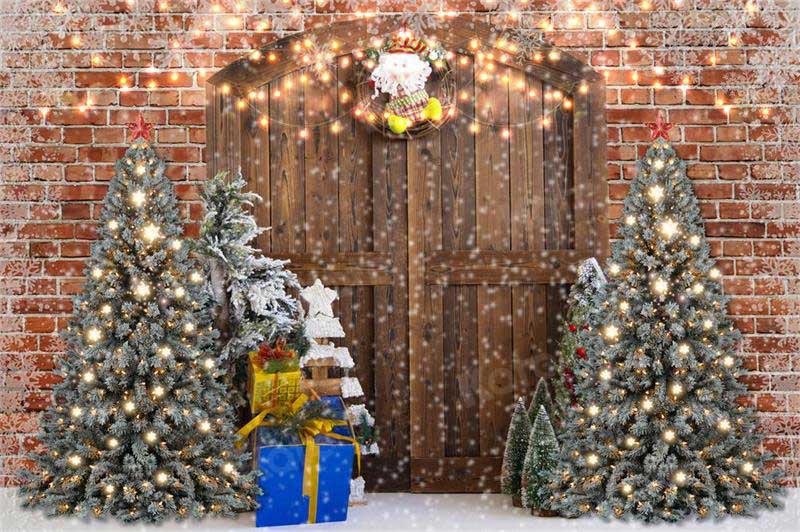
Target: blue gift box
point(281, 481)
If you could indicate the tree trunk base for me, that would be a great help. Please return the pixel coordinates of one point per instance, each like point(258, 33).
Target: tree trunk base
point(516, 502)
point(543, 513)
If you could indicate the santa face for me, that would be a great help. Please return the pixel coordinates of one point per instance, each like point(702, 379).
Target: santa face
point(396, 71)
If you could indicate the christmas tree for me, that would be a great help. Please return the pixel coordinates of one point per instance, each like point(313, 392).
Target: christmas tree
point(541, 397)
point(659, 433)
point(582, 300)
point(141, 427)
point(250, 298)
point(519, 431)
point(541, 459)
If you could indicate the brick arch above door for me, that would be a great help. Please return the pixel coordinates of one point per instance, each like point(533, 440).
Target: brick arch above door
point(451, 253)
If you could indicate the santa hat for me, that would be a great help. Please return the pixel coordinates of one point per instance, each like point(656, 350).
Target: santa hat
point(406, 45)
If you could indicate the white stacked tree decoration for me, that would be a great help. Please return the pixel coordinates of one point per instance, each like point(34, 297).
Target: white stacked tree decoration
point(320, 326)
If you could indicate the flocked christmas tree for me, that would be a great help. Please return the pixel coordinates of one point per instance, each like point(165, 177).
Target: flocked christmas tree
point(141, 427)
point(659, 433)
point(541, 397)
point(541, 459)
point(519, 430)
point(582, 300)
point(250, 292)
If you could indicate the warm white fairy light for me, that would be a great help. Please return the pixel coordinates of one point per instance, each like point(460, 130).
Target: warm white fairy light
point(142, 289)
point(158, 391)
point(150, 436)
point(660, 286)
point(112, 443)
point(626, 488)
point(727, 361)
point(647, 404)
point(165, 351)
point(75, 460)
point(137, 198)
point(668, 436)
point(129, 406)
point(694, 240)
point(88, 377)
point(204, 425)
point(669, 228)
point(747, 467)
point(176, 244)
point(106, 309)
point(93, 335)
point(707, 324)
point(605, 374)
point(228, 468)
point(724, 425)
point(613, 268)
point(658, 164)
point(631, 442)
point(188, 327)
point(684, 349)
point(113, 225)
point(208, 363)
point(593, 410)
point(656, 193)
point(195, 277)
point(109, 489)
point(592, 459)
point(676, 389)
point(151, 232)
point(630, 219)
point(679, 478)
point(714, 273)
point(76, 411)
point(161, 477)
point(180, 292)
point(140, 169)
point(698, 288)
point(611, 332)
point(97, 273)
point(624, 306)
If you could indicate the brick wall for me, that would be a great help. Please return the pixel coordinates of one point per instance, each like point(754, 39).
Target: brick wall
point(114, 58)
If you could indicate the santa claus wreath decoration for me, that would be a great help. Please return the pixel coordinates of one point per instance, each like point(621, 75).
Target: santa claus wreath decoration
point(406, 87)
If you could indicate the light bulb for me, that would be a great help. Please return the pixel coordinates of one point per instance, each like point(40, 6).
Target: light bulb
point(613, 268)
point(97, 273)
point(151, 233)
point(161, 477)
point(676, 388)
point(208, 363)
point(129, 406)
point(684, 349)
point(109, 489)
point(75, 460)
point(707, 324)
point(656, 193)
point(724, 425)
point(668, 435)
point(188, 327)
point(204, 426)
point(669, 228)
point(88, 377)
point(679, 477)
point(93, 335)
point(630, 442)
point(142, 290)
point(714, 273)
point(658, 164)
point(140, 169)
point(660, 286)
point(158, 391)
point(647, 404)
point(150, 436)
point(113, 225)
point(112, 443)
point(605, 374)
point(592, 459)
point(195, 277)
point(180, 292)
point(626, 488)
point(76, 411)
point(165, 351)
point(228, 468)
point(106, 309)
point(697, 288)
point(611, 332)
point(176, 244)
point(630, 220)
point(624, 306)
point(694, 240)
point(137, 198)
point(747, 467)
point(727, 361)
point(593, 410)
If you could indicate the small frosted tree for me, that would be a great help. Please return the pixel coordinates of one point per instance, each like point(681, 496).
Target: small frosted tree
point(514, 456)
point(659, 433)
point(141, 426)
point(583, 299)
point(541, 397)
point(251, 302)
point(541, 459)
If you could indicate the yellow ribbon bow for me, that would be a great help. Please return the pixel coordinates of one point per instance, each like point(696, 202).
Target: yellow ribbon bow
point(275, 410)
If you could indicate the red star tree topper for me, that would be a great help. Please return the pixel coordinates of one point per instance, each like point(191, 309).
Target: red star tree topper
point(659, 128)
point(140, 129)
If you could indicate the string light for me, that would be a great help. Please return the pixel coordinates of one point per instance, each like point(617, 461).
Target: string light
point(613, 268)
point(129, 406)
point(611, 332)
point(204, 426)
point(656, 193)
point(707, 324)
point(660, 286)
point(698, 288)
point(158, 391)
point(669, 228)
point(593, 410)
point(727, 361)
point(88, 377)
point(164, 351)
point(142, 290)
point(624, 306)
point(93, 335)
point(694, 240)
point(106, 309)
point(150, 436)
point(668, 436)
point(113, 225)
point(714, 273)
point(647, 404)
point(679, 478)
point(592, 459)
point(75, 460)
point(112, 443)
point(605, 374)
point(161, 478)
point(747, 467)
point(684, 349)
point(137, 198)
point(724, 425)
point(151, 233)
point(630, 219)
point(195, 277)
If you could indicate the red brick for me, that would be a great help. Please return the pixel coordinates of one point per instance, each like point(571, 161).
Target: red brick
point(733, 152)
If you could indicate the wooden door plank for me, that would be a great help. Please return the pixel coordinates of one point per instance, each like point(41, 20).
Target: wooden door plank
point(583, 186)
point(460, 336)
point(389, 164)
point(287, 168)
point(255, 162)
point(425, 312)
point(597, 121)
point(495, 336)
point(321, 165)
point(479, 474)
point(558, 164)
point(527, 208)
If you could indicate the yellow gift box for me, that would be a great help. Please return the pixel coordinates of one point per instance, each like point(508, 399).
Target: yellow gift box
point(270, 389)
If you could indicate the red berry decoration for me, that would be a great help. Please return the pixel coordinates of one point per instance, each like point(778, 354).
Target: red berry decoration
point(581, 352)
point(572, 327)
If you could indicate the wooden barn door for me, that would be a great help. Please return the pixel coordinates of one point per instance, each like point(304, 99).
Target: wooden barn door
point(451, 253)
